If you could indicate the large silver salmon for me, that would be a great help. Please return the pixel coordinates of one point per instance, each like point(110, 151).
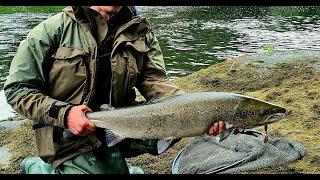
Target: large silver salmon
point(187, 115)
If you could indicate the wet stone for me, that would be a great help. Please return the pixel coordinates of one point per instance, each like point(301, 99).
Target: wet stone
point(5, 156)
point(12, 124)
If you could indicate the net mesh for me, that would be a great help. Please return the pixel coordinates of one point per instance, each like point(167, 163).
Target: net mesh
point(241, 152)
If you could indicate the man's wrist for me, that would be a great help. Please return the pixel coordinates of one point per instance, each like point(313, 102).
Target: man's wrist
point(65, 115)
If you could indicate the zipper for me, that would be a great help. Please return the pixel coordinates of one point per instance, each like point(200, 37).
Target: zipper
point(87, 81)
point(88, 97)
point(128, 75)
point(111, 79)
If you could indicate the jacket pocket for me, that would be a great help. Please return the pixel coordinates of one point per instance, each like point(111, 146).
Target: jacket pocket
point(69, 76)
point(44, 141)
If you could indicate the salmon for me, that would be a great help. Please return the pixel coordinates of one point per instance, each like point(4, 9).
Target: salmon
point(187, 115)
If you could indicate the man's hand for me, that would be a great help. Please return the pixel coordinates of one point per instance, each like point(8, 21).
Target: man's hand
point(78, 123)
point(217, 128)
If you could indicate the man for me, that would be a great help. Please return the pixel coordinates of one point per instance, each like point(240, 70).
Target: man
point(73, 63)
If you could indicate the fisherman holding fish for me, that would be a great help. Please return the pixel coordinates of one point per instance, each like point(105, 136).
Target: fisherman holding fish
point(70, 65)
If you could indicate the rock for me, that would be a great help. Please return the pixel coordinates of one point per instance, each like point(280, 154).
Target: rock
point(12, 124)
point(5, 109)
point(5, 156)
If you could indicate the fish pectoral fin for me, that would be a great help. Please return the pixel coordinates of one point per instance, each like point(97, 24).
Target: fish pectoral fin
point(164, 144)
point(224, 134)
point(236, 130)
point(112, 138)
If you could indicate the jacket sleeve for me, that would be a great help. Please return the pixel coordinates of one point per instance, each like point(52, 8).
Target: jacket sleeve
point(25, 87)
point(153, 83)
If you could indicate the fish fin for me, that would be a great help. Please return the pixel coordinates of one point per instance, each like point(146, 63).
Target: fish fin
point(159, 98)
point(164, 144)
point(152, 101)
point(112, 138)
point(224, 134)
point(236, 130)
point(106, 107)
point(155, 98)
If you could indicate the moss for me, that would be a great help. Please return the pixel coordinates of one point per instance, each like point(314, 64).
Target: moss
point(21, 144)
point(4, 134)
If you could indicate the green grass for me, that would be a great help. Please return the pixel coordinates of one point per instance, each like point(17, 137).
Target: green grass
point(30, 9)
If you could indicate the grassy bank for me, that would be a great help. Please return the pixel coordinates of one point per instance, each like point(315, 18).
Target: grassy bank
point(294, 85)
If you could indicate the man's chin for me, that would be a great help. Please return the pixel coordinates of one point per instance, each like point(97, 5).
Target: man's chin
point(105, 16)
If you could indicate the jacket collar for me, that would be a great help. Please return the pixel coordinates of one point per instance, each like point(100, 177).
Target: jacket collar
point(102, 26)
point(142, 24)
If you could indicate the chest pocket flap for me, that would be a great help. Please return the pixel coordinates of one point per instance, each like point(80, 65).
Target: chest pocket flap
point(66, 53)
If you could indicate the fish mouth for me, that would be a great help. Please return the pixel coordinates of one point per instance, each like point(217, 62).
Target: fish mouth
point(275, 117)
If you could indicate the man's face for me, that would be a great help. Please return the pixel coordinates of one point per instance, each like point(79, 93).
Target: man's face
point(107, 11)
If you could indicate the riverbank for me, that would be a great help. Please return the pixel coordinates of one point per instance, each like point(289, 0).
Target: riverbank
point(291, 80)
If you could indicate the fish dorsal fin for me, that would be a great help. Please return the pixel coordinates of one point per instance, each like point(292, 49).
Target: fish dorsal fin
point(106, 107)
point(158, 99)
